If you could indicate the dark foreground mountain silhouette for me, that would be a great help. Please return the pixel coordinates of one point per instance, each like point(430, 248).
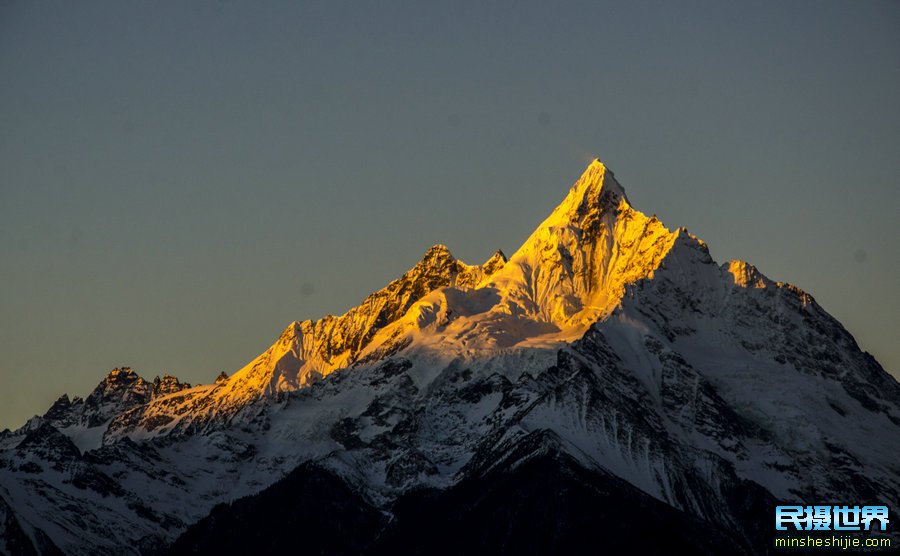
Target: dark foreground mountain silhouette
point(606, 386)
point(547, 505)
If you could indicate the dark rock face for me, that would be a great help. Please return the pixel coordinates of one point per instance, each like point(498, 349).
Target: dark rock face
point(59, 410)
point(310, 511)
point(546, 504)
point(15, 541)
point(49, 445)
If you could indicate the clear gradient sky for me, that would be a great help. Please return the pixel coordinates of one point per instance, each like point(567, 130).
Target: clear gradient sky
point(179, 181)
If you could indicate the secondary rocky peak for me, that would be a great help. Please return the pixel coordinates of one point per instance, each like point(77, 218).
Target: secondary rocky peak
point(746, 275)
point(122, 389)
point(438, 260)
point(59, 408)
point(123, 384)
point(168, 384)
point(118, 381)
point(495, 263)
point(437, 250)
point(122, 375)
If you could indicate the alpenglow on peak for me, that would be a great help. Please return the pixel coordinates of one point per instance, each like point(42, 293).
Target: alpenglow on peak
point(572, 270)
point(597, 187)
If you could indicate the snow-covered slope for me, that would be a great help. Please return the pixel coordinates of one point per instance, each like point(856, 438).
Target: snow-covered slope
point(605, 337)
point(305, 352)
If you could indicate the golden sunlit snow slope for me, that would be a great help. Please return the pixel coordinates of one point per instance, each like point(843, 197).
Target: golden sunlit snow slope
point(570, 273)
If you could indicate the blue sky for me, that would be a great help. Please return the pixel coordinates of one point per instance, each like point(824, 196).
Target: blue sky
point(179, 181)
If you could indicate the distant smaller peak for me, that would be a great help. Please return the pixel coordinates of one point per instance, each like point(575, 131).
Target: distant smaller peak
point(437, 255)
point(121, 373)
point(498, 255)
point(119, 379)
point(292, 330)
point(746, 275)
point(168, 384)
point(495, 263)
point(686, 236)
point(59, 408)
point(438, 249)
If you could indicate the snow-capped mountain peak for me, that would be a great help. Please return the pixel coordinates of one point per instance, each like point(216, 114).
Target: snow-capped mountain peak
point(596, 188)
point(573, 268)
point(606, 341)
point(569, 273)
